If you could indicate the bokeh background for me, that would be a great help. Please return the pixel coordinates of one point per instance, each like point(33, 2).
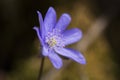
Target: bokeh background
point(20, 49)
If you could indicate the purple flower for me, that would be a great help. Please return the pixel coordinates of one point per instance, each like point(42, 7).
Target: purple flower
point(54, 38)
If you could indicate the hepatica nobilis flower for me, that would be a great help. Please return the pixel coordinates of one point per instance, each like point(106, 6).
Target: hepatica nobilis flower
point(54, 37)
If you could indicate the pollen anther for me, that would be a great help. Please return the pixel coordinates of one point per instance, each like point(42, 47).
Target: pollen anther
point(54, 39)
point(52, 42)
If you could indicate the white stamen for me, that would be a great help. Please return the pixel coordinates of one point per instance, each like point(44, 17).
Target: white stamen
point(54, 39)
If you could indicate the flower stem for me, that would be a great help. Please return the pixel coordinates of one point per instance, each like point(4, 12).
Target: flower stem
point(41, 68)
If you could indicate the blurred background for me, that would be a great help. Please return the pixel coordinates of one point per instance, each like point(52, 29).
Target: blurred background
point(20, 49)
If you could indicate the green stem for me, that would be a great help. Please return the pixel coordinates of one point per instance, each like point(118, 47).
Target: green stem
point(41, 68)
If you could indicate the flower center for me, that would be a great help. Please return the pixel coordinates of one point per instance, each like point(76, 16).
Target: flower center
point(54, 39)
point(52, 42)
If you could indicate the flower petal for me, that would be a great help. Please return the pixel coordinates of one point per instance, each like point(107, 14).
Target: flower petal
point(42, 28)
point(72, 36)
point(50, 19)
point(72, 54)
point(45, 51)
point(63, 22)
point(55, 59)
point(38, 34)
